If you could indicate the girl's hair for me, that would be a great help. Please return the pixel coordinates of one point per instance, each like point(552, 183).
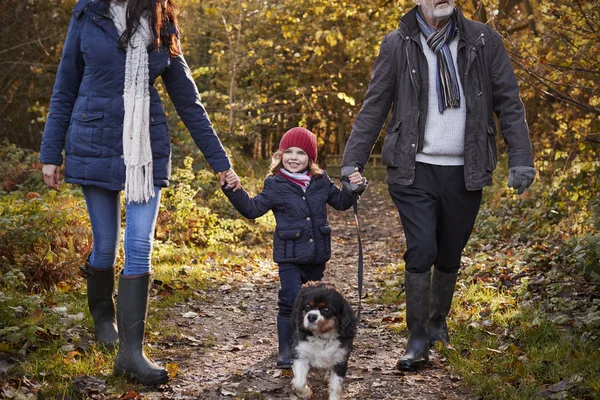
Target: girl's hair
point(276, 165)
point(161, 20)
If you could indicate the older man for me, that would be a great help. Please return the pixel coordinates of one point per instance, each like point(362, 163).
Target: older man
point(443, 76)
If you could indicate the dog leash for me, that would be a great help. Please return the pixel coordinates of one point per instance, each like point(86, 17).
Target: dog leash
point(360, 253)
point(360, 260)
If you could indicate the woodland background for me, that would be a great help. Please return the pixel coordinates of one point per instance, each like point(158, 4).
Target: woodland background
point(265, 66)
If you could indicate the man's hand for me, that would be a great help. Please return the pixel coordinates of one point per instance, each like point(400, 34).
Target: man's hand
point(51, 175)
point(230, 178)
point(520, 178)
point(352, 180)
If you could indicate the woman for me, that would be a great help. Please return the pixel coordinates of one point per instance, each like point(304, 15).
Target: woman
point(107, 115)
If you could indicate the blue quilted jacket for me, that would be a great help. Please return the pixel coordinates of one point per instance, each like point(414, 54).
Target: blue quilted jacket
point(86, 108)
point(302, 234)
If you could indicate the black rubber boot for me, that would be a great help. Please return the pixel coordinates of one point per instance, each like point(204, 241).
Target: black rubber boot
point(417, 315)
point(132, 307)
point(284, 334)
point(100, 289)
point(442, 291)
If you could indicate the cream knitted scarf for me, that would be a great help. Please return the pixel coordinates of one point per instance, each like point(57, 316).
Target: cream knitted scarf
point(137, 152)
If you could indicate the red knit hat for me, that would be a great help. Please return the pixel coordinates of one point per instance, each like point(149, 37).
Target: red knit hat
point(302, 138)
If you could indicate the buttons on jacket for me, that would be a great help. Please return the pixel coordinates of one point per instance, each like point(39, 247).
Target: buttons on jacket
point(298, 234)
point(308, 218)
point(310, 240)
point(303, 198)
point(84, 116)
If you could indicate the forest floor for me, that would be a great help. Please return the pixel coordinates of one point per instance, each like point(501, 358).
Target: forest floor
point(226, 343)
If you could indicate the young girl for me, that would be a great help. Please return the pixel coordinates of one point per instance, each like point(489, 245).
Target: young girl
point(298, 192)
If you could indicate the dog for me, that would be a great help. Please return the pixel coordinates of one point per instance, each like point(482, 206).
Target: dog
point(323, 329)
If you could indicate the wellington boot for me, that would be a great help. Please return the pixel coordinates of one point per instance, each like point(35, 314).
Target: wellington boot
point(284, 334)
point(132, 307)
point(417, 314)
point(442, 291)
point(100, 289)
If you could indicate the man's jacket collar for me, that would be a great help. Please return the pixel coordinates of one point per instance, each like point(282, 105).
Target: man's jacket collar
point(466, 30)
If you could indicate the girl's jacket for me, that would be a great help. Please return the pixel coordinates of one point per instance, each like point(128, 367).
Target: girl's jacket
point(302, 234)
point(86, 108)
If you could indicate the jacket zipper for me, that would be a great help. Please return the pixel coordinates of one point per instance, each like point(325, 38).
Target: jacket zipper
point(414, 86)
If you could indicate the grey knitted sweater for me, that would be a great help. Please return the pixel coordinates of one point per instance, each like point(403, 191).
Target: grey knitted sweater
point(444, 133)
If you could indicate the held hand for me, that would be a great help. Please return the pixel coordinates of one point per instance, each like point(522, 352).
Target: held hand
point(352, 180)
point(51, 175)
point(520, 178)
point(232, 180)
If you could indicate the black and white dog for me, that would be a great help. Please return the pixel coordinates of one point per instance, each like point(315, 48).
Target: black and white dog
point(324, 326)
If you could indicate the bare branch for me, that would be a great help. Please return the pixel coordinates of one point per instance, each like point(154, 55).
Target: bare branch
point(38, 41)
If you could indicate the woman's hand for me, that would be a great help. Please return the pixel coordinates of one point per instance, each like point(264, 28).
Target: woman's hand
point(51, 175)
point(230, 178)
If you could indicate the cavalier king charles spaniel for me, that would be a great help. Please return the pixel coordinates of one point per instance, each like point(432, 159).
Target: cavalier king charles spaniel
point(323, 326)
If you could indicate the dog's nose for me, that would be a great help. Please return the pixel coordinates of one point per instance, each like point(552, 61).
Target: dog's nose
point(312, 317)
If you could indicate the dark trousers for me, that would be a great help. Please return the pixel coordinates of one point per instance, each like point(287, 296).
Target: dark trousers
point(437, 214)
point(291, 278)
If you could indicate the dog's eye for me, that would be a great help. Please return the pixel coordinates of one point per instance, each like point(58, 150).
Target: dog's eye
point(307, 307)
point(326, 310)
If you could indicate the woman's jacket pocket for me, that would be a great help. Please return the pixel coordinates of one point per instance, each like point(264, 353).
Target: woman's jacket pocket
point(388, 151)
point(85, 134)
point(159, 135)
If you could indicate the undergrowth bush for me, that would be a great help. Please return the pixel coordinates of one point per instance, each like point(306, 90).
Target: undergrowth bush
point(43, 233)
point(194, 211)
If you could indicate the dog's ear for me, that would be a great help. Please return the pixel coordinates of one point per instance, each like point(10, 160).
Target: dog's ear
point(297, 316)
point(348, 321)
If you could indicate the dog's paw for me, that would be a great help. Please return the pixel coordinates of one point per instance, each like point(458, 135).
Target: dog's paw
point(302, 392)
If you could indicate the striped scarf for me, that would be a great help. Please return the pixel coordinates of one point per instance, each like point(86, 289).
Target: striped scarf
point(447, 79)
point(301, 179)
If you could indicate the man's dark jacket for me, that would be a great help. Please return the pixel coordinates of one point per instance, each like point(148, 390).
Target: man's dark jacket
point(400, 81)
point(302, 234)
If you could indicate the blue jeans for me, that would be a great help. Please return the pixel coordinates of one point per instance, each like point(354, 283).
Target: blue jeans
point(104, 210)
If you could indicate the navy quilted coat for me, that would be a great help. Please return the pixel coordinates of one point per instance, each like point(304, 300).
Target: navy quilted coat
point(302, 234)
point(86, 108)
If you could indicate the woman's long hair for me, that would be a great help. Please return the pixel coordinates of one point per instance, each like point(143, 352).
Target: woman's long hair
point(162, 18)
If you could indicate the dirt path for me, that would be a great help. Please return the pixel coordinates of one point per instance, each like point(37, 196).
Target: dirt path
point(227, 346)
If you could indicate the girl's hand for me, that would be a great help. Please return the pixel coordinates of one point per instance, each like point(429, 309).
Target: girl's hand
point(51, 175)
point(354, 182)
point(230, 178)
point(356, 178)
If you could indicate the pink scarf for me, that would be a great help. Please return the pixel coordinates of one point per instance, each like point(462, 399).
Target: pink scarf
point(301, 179)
